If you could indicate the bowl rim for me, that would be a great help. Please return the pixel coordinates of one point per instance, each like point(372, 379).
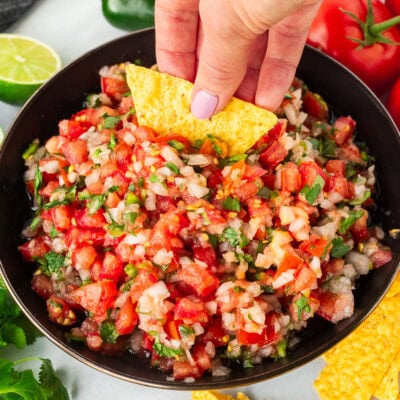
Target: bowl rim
point(197, 385)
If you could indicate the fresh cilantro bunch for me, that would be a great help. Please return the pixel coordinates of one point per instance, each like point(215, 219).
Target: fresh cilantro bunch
point(23, 385)
point(14, 326)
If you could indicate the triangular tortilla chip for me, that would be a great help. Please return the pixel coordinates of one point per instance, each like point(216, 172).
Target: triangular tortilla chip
point(162, 102)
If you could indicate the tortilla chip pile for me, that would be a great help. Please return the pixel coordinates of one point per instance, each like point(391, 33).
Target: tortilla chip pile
point(366, 364)
point(215, 395)
point(162, 102)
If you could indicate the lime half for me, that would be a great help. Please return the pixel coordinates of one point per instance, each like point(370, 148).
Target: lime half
point(25, 64)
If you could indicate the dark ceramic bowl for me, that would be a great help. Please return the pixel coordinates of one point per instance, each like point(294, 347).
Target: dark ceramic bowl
point(63, 95)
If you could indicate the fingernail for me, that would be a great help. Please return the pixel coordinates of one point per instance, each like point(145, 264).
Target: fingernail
point(204, 104)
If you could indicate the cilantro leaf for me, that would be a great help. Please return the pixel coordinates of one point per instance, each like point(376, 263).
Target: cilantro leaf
point(234, 238)
point(51, 262)
point(346, 223)
point(339, 249)
point(165, 351)
point(111, 122)
point(31, 149)
point(176, 144)
point(233, 159)
point(37, 183)
point(231, 204)
point(186, 330)
point(311, 193)
point(366, 196)
point(302, 305)
point(172, 167)
point(113, 142)
point(108, 331)
point(51, 384)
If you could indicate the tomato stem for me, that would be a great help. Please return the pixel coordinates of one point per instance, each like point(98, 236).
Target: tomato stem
point(372, 32)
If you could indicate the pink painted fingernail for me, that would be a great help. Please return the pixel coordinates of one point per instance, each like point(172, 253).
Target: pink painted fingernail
point(204, 104)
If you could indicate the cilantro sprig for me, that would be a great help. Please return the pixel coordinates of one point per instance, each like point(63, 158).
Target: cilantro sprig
point(15, 384)
point(348, 222)
point(311, 193)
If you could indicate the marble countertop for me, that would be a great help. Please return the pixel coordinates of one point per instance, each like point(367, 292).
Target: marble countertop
point(72, 28)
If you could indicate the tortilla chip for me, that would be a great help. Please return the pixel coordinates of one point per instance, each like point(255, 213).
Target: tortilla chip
point(388, 389)
point(394, 289)
point(162, 102)
point(241, 396)
point(358, 363)
point(210, 395)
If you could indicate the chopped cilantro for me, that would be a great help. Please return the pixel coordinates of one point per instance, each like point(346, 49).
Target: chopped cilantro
point(264, 193)
point(51, 262)
point(131, 187)
point(154, 178)
point(311, 193)
point(130, 217)
point(267, 289)
point(234, 238)
point(302, 306)
point(327, 147)
point(366, 196)
point(37, 183)
point(176, 144)
point(53, 232)
point(172, 167)
point(231, 204)
point(238, 289)
point(140, 182)
point(96, 202)
point(339, 249)
point(115, 229)
point(185, 330)
point(213, 240)
point(110, 122)
point(35, 222)
point(31, 149)
point(165, 351)
point(346, 223)
point(113, 142)
point(281, 348)
point(247, 363)
point(108, 331)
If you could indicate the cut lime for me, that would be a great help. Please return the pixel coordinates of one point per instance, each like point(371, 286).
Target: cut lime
point(25, 65)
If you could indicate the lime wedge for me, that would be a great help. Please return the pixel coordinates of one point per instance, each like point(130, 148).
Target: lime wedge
point(25, 65)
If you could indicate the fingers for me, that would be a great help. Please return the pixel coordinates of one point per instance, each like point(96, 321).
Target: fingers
point(176, 24)
point(223, 55)
point(285, 46)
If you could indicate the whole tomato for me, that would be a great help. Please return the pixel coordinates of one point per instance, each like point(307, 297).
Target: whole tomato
point(361, 34)
point(393, 102)
point(393, 6)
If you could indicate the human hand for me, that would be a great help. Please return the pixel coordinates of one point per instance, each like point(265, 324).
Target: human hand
point(250, 48)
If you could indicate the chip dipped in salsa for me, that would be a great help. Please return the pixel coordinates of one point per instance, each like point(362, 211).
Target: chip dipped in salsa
point(179, 251)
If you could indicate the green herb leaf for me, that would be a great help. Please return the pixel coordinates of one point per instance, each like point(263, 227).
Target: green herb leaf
point(231, 204)
point(366, 196)
point(111, 122)
point(176, 144)
point(53, 232)
point(234, 238)
point(37, 183)
point(339, 249)
point(281, 348)
point(31, 149)
point(116, 229)
point(172, 167)
point(346, 223)
point(311, 193)
point(165, 351)
point(130, 217)
point(50, 383)
point(108, 332)
point(185, 330)
point(265, 193)
point(327, 147)
point(113, 141)
point(302, 305)
point(154, 178)
point(51, 262)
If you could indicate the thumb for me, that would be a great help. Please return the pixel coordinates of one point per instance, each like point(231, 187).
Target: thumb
point(222, 65)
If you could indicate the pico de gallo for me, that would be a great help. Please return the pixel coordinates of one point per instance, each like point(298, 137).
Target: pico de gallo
point(197, 260)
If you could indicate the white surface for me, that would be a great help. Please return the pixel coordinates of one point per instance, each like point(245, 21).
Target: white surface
point(73, 27)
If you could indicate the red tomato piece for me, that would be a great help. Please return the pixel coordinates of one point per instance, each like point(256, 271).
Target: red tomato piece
point(205, 254)
point(315, 105)
point(127, 318)
point(247, 338)
point(344, 129)
point(316, 246)
point(381, 257)
point(122, 154)
point(290, 178)
point(143, 280)
point(84, 257)
point(75, 236)
point(114, 87)
point(337, 167)
point(61, 216)
point(190, 310)
point(273, 155)
point(183, 369)
point(35, 248)
point(338, 184)
point(84, 219)
point(215, 334)
point(111, 268)
point(96, 297)
point(202, 282)
point(76, 152)
point(201, 358)
point(309, 170)
point(273, 134)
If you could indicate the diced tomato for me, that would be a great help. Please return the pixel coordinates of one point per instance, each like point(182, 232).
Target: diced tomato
point(289, 261)
point(125, 105)
point(122, 182)
point(335, 306)
point(273, 134)
point(165, 204)
point(247, 190)
point(338, 184)
point(201, 358)
point(84, 219)
point(108, 169)
point(290, 178)
point(273, 155)
point(305, 278)
point(316, 246)
point(76, 152)
point(112, 268)
point(127, 318)
point(143, 280)
point(190, 310)
point(245, 338)
point(34, 248)
point(61, 216)
point(337, 167)
point(215, 334)
point(315, 105)
point(122, 154)
point(96, 297)
point(309, 170)
point(206, 254)
point(202, 282)
point(172, 329)
point(350, 152)
point(183, 369)
point(164, 139)
point(112, 200)
point(381, 257)
point(48, 190)
point(114, 87)
point(344, 129)
point(359, 230)
point(75, 236)
point(84, 256)
point(269, 179)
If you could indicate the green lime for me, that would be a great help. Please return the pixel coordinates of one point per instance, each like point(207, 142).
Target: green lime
point(25, 65)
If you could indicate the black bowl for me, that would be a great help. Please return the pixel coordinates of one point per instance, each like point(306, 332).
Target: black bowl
point(64, 94)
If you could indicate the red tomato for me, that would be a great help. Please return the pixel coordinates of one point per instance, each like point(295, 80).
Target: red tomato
point(309, 170)
point(143, 280)
point(376, 63)
point(315, 105)
point(35, 248)
point(201, 358)
point(273, 155)
point(205, 254)
point(344, 129)
point(114, 87)
point(183, 369)
point(336, 167)
point(202, 282)
point(290, 178)
point(96, 297)
point(59, 311)
point(111, 268)
point(190, 310)
point(246, 338)
point(122, 155)
point(75, 236)
point(316, 246)
point(84, 256)
point(76, 152)
point(393, 6)
point(215, 333)
point(127, 318)
point(393, 102)
point(338, 184)
point(381, 257)
point(84, 219)
point(273, 134)
point(61, 216)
